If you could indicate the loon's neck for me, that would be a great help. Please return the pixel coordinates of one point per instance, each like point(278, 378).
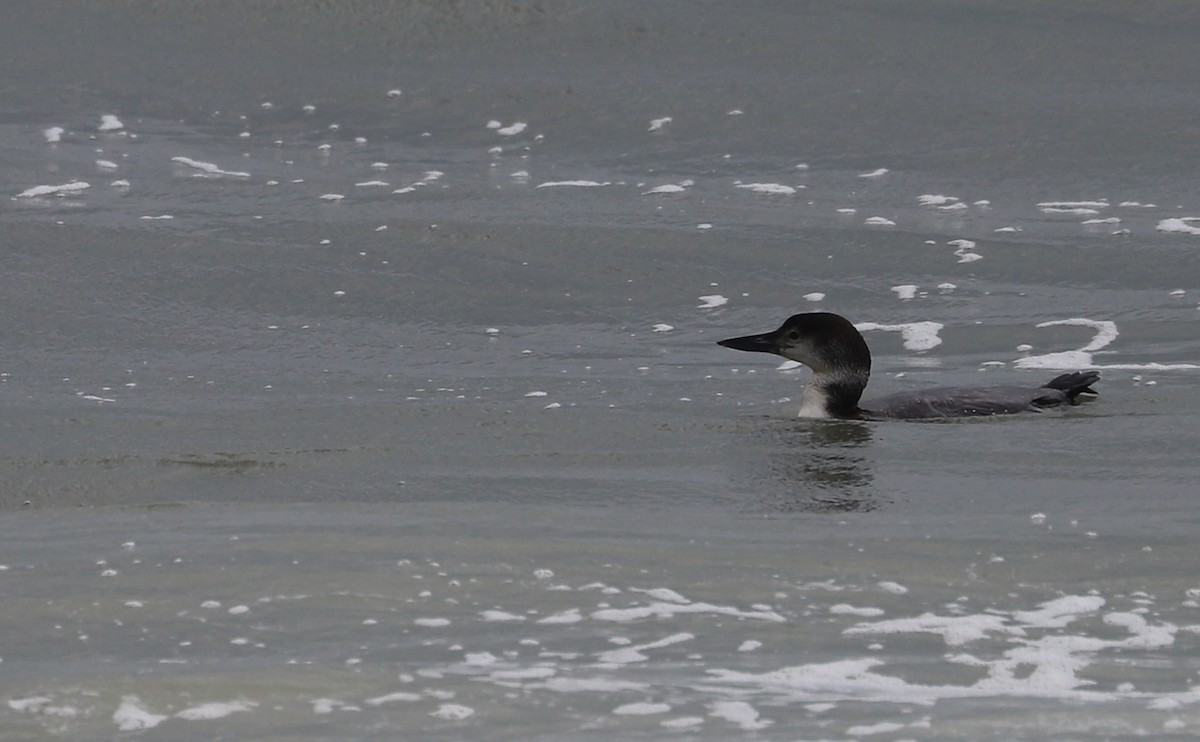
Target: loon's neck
point(834, 395)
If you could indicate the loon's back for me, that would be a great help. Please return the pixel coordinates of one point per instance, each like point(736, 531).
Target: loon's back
point(979, 401)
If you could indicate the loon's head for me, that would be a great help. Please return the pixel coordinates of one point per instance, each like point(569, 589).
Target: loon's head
point(828, 344)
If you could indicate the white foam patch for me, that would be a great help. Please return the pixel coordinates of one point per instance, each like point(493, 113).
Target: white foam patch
point(657, 124)
point(631, 654)
point(641, 709)
point(479, 659)
point(662, 327)
point(33, 703)
point(132, 716)
point(1042, 659)
point(1069, 205)
point(820, 681)
point(668, 610)
point(498, 615)
point(397, 697)
point(1086, 208)
point(432, 622)
point(1083, 358)
point(845, 609)
point(712, 300)
point(66, 189)
point(208, 168)
point(1106, 333)
point(769, 188)
point(1061, 612)
point(53, 134)
point(525, 673)
point(740, 713)
point(906, 291)
point(954, 630)
point(679, 187)
point(207, 711)
point(866, 730)
point(964, 249)
point(916, 336)
point(326, 705)
point(572, 184)
point(1070, 649)
point(814, 296)
point(512, 129)
point(1080, 211)
point(42, 706)
point(108, 122)
point(1181, 225)
point(933, 199)
point(661, 593)
point(569, 616)
point(879, 173)
point(452, 712)
point(879, 221)
point(589, 685)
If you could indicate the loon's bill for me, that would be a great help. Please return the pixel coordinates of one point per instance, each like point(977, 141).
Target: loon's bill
point(841, 364)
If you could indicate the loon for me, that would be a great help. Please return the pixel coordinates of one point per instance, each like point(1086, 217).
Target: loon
point(841, 364)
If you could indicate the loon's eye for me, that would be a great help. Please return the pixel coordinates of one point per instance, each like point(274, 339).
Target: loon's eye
point(794, 335)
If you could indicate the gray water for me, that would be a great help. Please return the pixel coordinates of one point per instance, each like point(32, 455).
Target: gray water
point(379, 415)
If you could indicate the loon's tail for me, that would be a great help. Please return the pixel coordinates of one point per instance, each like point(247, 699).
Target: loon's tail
point(1074, 384)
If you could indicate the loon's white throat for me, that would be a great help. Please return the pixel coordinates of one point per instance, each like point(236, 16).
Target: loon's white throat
point(841, 364)
point(825, 397)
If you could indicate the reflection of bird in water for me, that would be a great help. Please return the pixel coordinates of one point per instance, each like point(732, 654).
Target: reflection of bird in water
point(813, 468)
point(841, 364)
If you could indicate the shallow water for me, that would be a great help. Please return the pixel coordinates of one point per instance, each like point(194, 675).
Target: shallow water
point(390, 415)
point(546, 621)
